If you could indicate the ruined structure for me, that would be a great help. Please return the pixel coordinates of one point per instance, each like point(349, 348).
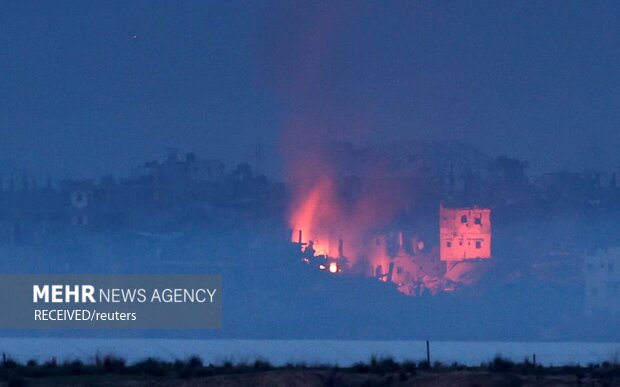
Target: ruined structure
point(465, 233)
point(381, 201)
point(408, 262)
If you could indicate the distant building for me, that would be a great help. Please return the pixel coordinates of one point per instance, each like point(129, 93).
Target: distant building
point(206, 170)
point(602, 281)
point(465, 233)
point(80, 195)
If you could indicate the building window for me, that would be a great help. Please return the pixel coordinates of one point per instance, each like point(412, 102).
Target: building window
point(478, 221)
point(448, 244)
point(478, 244)
point(464, 219)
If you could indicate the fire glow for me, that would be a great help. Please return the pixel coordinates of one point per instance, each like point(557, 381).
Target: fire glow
point(312, 211)
point(323, 229)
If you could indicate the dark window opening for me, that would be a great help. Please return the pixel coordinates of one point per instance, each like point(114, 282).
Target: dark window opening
point(464, 219)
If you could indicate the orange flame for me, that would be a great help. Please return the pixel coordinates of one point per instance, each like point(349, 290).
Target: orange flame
point(313, 214)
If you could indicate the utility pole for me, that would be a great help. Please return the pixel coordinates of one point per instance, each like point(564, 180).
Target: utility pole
point(428, 353)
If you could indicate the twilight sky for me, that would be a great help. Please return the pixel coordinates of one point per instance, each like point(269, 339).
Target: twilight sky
point(91, 87)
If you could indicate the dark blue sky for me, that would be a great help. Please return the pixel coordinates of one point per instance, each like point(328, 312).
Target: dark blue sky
point(95, 87)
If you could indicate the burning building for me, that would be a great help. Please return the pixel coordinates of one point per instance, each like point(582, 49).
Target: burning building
point(371, 212)
point(464, 233)
point(407, 262)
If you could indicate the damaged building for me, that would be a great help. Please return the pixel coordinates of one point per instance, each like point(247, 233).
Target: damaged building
point(465, 233)
point(414, 266)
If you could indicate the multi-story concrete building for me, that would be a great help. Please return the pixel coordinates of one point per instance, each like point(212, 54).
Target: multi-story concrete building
point(602, 280)
point(464, 233)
